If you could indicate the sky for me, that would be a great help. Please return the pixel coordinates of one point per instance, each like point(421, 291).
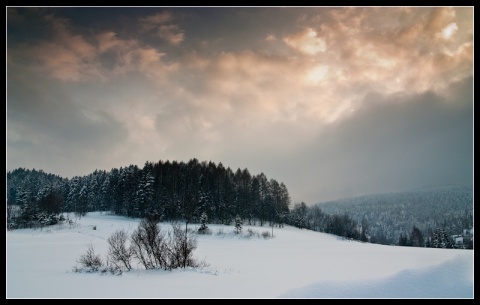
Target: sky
point(334, 102)
point(295, 263)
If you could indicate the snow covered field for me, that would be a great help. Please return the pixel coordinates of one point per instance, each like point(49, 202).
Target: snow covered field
point(294, 264)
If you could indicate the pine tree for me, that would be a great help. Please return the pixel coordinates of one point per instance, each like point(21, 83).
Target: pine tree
point(446, 240)
point(403, 241)
point(416, 237)
point(436, 240)
point(203, 224)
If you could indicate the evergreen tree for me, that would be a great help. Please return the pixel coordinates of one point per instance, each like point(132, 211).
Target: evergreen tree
point(203, 223)
point(82, 202)
point(403, 241)
point(29, 209)
point(264, 191)
point(144, 204)
point(446, 239)
point(106, 195)
point(416, 237)
point(170, 190)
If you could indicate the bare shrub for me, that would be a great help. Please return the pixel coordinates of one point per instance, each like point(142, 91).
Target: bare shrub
point(89, 261)
point(251, 233)
point(113, 269)
point(266, 234)
point(204, 231)
point(181, 245)
point(149, 245)
point(220, 232)
point(119, 255)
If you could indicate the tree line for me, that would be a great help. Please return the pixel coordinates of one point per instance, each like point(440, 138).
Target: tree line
point(423, 218)
point(169, 191)
point(189, 191)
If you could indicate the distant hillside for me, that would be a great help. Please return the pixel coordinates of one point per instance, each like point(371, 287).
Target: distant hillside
point(391, 214)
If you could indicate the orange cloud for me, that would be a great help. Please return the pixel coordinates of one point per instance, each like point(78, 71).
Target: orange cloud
point(69, 59)
point(171, 33)
point(161, 23)
point(306, 41)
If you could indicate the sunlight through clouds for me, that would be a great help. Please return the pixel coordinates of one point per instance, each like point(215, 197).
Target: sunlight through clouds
point(317, 74)
point(449, 31)
point(257, 86)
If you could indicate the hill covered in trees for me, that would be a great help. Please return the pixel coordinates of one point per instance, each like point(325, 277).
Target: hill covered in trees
point(167, 190)
point(197, 192)
point(394, 218)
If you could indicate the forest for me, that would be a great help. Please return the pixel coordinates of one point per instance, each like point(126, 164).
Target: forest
point(419, 218)
point(167, 190)
point(172, 191)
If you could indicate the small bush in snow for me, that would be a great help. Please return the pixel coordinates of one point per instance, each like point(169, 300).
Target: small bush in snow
point(266, 234)
point(220, 232)
point(250, 233)
point(89, 261)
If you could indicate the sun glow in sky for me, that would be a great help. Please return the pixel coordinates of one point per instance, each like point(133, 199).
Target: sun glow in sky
point(332, 101)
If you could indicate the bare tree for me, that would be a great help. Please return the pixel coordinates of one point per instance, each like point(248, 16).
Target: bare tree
point(181, 245)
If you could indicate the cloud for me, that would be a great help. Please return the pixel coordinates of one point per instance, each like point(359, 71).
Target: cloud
point(108, 41)
point(393, 143)
point(438, 18)
point(56, 130)
point(171, 33)
point(448, 32)
point(270, 37)
point(162, 23)
point(318, 108)
point(317, 74)
point(151, 22)
point(306, 41)
point(80, 57)
point(131, 56)
point(68, 56)
point(396, 49)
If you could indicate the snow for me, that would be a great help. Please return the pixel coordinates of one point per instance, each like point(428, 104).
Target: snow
point(294, 263)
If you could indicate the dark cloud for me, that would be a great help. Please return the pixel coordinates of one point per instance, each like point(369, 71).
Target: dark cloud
point(393, 143)
point(57, 128)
